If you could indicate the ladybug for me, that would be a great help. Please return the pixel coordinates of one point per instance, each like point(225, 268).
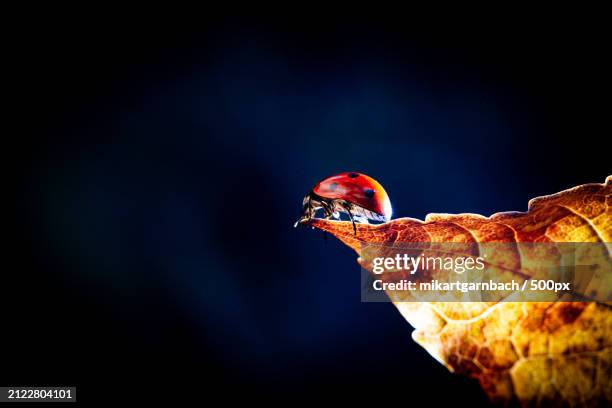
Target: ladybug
point(358, 195)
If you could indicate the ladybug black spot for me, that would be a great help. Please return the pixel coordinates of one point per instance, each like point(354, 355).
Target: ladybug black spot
point(333, 186)
point(369, 193)
point(353, 175)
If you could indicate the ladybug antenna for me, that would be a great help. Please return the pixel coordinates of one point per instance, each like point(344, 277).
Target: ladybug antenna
point(302, 221)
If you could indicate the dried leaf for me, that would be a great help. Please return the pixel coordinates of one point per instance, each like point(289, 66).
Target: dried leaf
point(533, 352)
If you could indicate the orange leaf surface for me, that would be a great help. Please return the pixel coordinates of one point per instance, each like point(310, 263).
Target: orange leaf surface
point(530, 352)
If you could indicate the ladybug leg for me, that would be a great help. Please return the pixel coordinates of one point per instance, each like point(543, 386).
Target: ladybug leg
point(307, 212)
point(347, 207)
point(328, 209)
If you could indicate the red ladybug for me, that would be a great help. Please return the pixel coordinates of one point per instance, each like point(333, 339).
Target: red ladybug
point(356, 194)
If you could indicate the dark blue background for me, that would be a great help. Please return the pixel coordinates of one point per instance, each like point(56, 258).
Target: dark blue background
point(160, 172)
